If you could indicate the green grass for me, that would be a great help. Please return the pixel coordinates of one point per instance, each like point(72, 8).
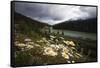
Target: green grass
point(35, 55)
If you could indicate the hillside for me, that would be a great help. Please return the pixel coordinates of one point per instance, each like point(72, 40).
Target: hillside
point(88, 25)
point(35, 44)
point(27, 27)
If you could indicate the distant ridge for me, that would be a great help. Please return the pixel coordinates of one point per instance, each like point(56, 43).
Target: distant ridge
point(19, 16)
point(27, 26)
point(88, 25)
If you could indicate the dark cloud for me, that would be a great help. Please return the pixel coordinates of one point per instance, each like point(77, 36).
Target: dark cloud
point(52, 14)
point(90, 10)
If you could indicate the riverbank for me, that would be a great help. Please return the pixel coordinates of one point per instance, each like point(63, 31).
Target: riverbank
point(86, 46)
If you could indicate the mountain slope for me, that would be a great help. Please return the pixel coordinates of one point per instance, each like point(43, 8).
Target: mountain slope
point(88, 25)
point(27, 27)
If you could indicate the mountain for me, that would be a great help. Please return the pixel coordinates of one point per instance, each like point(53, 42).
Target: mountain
point(27, 27)
point(88, 25)
point(23, 22)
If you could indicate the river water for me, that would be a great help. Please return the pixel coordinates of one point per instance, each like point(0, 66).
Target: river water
point(77, 34)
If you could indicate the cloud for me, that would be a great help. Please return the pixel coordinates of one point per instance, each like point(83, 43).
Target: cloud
point(53, 13)
point(91, 11)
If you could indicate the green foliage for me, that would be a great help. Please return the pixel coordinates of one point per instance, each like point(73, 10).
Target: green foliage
point(27, 28)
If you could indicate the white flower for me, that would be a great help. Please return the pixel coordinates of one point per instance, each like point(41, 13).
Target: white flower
point(79, 55)
point(30, 43)
point(73, 48)
point(73, 61)
point(72, 43)
point(49, 51)
point(40, 41)
point(37, 45)
point(56, 40)
point(61, 38)
point(22, 49)
point(16, 42)
point(69, 43)
point(29, 46)
point(52, 36)
point(70, 54)
point(68, 61)
point(57, 47)
point(44, 39)
point(47, 42)
point(61, 46)
point(27, 39)
point(52, 45)
point(21, 45)
point(65, 50)
point(66, 56)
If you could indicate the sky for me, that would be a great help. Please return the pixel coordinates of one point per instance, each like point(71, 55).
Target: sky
point(54, 13)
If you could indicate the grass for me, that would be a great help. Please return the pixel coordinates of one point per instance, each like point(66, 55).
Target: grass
point(34, 56)
point(39, 51)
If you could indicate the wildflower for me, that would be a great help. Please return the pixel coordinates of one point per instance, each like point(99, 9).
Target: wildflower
point(78, 54)
point(66, 56)
point(37, 45)
point(52, 45)
point(69, 43)
point(16, 42)
point(61, 38)
point(56, 40)
point(49, 51)
point(61, 46)
point(29, 46)
point(30, 43)
point(21, 45)
point(72, 43)
point(73, 61)
point(73, 48)
point(51, 39)
point(22, 49)
point(57, 47)
point(52, 36)
point(48, 43)
point(70, 54)
point(44, 39)
point(27, 40)
point(66, 42)
point(68, 61)
point(40, 41)
point(65, 50)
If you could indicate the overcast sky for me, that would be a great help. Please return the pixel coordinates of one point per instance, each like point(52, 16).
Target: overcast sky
point(54, 13)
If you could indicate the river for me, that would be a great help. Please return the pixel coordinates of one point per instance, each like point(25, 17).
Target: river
point(77, 34)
